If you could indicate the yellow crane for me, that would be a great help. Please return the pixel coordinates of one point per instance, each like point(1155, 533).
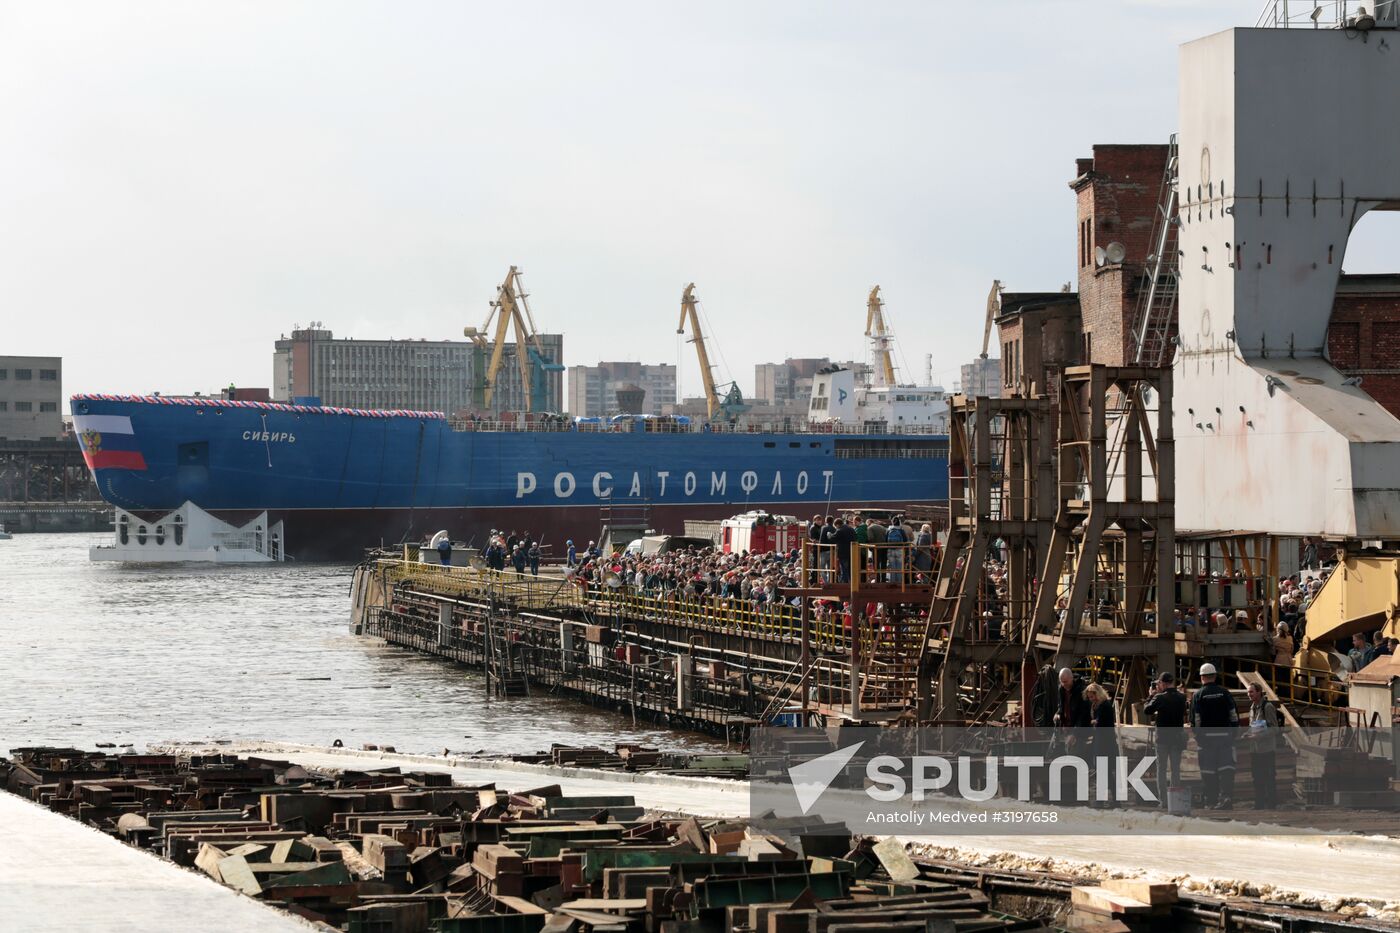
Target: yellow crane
point(512, 309)
point(880, 338)
point(689, 311)
point(993, 309)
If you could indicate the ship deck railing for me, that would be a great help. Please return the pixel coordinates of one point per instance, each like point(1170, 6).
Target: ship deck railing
point(558, 426)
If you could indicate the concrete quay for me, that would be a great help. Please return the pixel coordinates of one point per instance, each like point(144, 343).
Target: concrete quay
point(58, 875)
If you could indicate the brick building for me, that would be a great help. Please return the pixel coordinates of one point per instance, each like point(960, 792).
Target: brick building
point(1363, 338)
point(1116, 192)
point(1040, 335)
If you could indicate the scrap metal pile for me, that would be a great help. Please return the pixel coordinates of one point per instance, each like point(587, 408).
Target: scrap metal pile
point(634, 757)
point(388, 851)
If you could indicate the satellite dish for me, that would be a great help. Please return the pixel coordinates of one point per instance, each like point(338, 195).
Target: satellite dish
point(1100, 255)
point(1115, 252)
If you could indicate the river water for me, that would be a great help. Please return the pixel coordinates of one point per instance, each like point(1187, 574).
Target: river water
point(149, 653)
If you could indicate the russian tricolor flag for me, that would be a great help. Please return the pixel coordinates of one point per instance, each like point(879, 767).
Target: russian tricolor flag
point(108, 442)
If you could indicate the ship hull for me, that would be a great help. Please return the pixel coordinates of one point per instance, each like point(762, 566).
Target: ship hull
point(342, 481)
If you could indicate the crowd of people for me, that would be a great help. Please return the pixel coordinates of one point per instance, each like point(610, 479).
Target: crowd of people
point(759, 579)
point(694, 573)
point(1208, 716)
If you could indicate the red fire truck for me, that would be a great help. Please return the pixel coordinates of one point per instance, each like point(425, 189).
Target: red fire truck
point(761, 533)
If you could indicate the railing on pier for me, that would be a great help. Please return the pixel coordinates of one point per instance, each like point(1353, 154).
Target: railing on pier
point(646, 686)
point(777, 621)
point(895, 566)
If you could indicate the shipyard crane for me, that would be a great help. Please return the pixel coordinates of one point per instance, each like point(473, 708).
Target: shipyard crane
point(880, 338)
point(993, 309)
point(512, 309)
point(690, 311)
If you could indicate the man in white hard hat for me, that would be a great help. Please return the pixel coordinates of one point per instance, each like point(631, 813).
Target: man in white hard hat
point(1216, 724)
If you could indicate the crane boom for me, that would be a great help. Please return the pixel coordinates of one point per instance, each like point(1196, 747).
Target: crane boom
point(511, 311)
point(688, 310)
point(880, 337)
point(993, 309)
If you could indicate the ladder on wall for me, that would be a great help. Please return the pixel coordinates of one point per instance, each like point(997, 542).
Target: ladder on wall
point(1154, 322)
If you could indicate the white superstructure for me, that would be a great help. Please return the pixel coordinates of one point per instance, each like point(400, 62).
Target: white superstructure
point(837, 398)
point(1288, 138)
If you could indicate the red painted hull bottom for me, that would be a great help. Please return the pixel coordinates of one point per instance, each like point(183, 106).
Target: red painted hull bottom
point(345, 534)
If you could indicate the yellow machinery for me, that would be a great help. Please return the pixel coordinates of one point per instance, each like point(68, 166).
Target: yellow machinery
point(993, 309)
point(880, 337)
point(511, 308)
point(691, 313)
point(1363, 593)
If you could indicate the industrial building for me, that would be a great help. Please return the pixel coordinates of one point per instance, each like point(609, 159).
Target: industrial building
point(788, 381)
point(31, 396)
point(593, 390)
point(981, 377)
point(425, 375)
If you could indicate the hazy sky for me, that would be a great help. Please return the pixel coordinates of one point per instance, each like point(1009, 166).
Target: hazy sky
point(181, 182)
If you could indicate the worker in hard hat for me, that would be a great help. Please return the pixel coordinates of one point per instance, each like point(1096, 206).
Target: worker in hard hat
point(1215, 723)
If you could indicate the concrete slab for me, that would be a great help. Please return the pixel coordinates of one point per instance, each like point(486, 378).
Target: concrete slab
point(57, 875)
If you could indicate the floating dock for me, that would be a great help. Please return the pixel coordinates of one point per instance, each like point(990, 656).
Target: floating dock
point(705, 664)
